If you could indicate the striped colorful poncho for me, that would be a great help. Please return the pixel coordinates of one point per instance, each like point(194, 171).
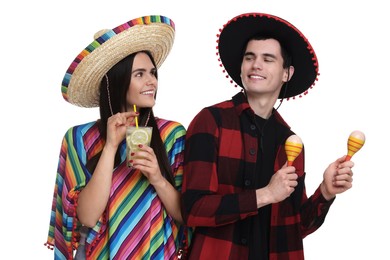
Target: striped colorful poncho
point(135, 224)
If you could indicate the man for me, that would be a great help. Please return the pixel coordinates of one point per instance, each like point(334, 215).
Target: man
point(238, 192)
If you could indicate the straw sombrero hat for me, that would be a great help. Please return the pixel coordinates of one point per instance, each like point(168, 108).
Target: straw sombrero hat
point(81, 82)
point(236, 33)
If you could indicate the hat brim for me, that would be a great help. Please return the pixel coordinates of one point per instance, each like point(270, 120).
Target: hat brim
point(81, 82)
point(236, 33)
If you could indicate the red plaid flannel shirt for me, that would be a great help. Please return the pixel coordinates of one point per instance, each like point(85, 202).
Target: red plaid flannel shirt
point(220, 159)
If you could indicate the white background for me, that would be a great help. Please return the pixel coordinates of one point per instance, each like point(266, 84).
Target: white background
point(41, 38)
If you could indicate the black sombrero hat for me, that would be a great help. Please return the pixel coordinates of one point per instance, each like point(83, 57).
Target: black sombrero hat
point(236, 33)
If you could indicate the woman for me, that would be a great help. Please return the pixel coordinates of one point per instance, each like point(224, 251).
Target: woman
point(123, 212)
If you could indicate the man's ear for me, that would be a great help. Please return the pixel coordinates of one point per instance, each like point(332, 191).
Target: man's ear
point(288, 73)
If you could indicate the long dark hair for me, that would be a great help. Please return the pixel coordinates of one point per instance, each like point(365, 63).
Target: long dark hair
point(113, 100)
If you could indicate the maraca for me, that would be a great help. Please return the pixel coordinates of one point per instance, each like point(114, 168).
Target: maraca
point(355, 142)
point(293, 147)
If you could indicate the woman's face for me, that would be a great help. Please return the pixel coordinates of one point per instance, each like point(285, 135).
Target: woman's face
point(143, 84)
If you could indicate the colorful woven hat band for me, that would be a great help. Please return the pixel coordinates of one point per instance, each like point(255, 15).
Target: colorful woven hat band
point(80, 85)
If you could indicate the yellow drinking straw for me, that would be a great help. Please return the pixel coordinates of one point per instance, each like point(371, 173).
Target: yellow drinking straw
point(136, 118)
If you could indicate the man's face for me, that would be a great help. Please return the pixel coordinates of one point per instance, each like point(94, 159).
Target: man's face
point(262, 70)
